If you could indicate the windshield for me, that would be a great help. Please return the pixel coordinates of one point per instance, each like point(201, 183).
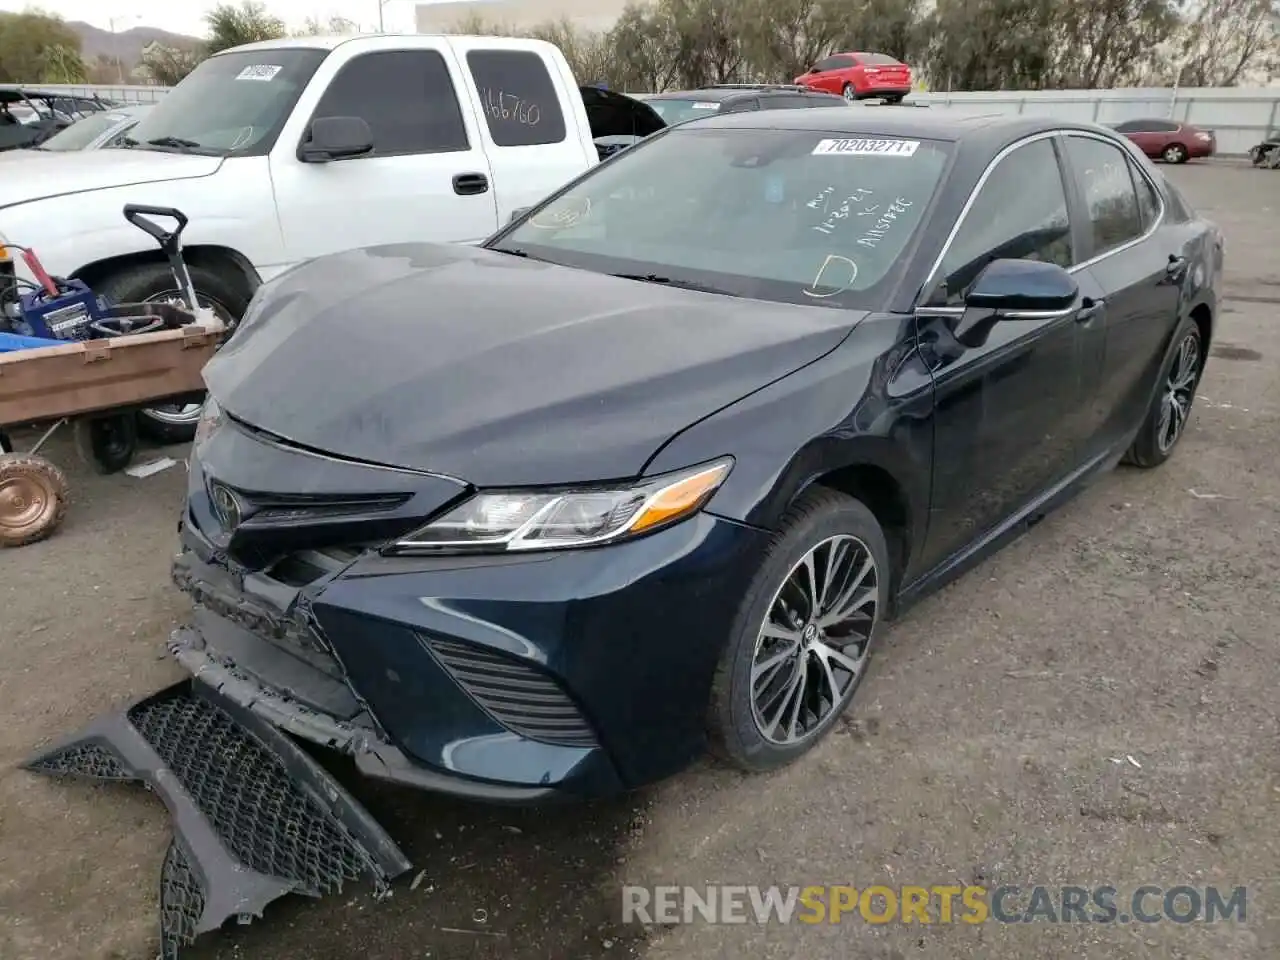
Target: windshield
point(788, 215)
point(677, 111)
point(83, 132)
point(233, 103)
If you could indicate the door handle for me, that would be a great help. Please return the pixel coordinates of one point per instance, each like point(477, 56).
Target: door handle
point(467, 184)
point(1090, 309)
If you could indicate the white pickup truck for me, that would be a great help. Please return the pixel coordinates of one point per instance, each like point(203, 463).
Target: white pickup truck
point(286, 150)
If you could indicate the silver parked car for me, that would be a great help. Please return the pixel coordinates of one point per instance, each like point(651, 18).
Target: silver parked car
point(105, 128)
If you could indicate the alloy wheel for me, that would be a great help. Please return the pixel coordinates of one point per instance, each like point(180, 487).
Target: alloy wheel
point(850, 93)
point(183, 414)
point(812, 649)
point(1179, 392)
point(1175, 154)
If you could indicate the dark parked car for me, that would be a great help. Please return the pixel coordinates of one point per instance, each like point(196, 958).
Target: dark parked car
point(652, 467)
point(29, 117)
point(677, 106)
point(1169, 140)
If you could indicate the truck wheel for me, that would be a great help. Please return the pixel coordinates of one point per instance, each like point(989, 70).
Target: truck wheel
point(152, 282)
point(33, 499)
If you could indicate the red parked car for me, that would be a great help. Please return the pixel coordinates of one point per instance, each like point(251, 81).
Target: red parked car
point(1169, 140)
point(859, 75)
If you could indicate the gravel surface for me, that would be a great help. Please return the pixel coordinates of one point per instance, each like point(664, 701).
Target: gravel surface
point(1137, 622)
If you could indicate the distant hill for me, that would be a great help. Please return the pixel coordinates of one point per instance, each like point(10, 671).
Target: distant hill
point(127, 44)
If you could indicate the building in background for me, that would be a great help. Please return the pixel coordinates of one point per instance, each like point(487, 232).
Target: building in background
point(595, 15)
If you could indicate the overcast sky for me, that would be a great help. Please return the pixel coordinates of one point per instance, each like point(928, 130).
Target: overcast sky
point(187, 16)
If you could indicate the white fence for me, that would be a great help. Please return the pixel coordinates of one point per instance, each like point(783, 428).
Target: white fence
point(1239, 116)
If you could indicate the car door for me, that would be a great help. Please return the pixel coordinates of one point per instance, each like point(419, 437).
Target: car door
point(427, 179)
point(1007, 415)
point(1138, 264)
point(533, 148)
point(831, 75)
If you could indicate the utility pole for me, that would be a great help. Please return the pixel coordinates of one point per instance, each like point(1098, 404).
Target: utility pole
point(115, 44)
point(381, 5)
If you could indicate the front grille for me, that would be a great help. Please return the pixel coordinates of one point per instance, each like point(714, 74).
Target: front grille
point(247, 795)
point(519, 697)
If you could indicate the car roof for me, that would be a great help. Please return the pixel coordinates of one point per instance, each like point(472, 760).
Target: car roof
point(18, 94)
point(896, 121)
point(710, 94)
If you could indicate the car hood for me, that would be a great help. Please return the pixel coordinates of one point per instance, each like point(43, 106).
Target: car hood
point(499, 370)
point(79, 171)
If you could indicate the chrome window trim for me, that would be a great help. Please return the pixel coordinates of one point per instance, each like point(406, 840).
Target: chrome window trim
point(1118, 142)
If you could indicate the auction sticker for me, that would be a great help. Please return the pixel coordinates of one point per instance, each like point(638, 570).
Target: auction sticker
point(863, 147)
point(262, 71)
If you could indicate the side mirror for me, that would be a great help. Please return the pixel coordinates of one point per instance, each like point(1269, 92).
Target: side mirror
point(336, 138)
point(1015, 286)
point(517, 213)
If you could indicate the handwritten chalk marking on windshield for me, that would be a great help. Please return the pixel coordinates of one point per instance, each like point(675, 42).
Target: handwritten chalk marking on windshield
point(863, 147)
point(880, 229)
point(562, 218)
point(817, 281)
point(840, 213)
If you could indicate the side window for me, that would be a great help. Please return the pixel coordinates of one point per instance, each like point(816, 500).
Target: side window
point(830, 63)
point(1034, 228)
point(1163, 127)
point(1148, 199)
point(843, 63)
point(518, 99)
point(1102, 172)
point(1129, 126)
point(406, 97)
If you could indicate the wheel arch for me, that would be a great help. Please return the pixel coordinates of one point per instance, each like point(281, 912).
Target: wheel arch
point(1202, 314)
point(222, 259)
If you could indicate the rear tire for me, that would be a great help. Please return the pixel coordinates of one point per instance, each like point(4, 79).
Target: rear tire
point(791, 662)
point(1170, 411)
point(1174, 153)
point(150, 282)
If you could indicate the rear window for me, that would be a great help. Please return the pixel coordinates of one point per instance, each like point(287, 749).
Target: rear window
point(519, 100)
point(881, 60)
point(795, 216)
point(677, 111)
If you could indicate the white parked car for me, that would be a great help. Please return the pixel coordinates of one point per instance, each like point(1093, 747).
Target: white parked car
point(96, 131)
point(286, 150)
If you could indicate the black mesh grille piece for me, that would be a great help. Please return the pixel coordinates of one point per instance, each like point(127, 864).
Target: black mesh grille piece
point(84, 760)
point(519, 697)
point(181, 903)
point(246, 794)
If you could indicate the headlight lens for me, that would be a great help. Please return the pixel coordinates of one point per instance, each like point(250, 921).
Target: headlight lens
point(536, 520)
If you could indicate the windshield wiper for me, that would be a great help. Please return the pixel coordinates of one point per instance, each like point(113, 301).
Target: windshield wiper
point(127, 143)
point(175, 142)
point(668, 282)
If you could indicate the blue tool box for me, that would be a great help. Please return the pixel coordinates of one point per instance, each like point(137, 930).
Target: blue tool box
point(65, 317)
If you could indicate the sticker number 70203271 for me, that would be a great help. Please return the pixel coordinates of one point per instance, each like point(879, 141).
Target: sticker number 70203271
point(261, 72)
point(867, 147)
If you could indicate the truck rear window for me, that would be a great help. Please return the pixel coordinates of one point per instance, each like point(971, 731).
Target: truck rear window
point(518, 99)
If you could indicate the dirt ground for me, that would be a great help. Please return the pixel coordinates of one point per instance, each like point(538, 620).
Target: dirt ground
point(1138, 621)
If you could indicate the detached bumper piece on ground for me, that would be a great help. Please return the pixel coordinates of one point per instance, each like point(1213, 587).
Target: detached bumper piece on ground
point(255, 818)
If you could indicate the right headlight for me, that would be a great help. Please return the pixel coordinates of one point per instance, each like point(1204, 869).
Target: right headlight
point(508, 521)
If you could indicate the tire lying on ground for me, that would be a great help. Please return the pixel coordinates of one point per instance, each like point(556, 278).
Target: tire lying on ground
point(226, 293)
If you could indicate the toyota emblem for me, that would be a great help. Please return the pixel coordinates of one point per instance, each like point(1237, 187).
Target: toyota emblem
point(226, 505)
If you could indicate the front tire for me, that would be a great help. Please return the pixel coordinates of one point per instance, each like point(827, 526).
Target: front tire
point(803, 635)
point(153, 282)
point(849, 93)
point(1170, 411)
point(1174, 153)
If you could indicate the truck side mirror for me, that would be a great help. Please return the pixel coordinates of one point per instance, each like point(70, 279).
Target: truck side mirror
point(335, 138)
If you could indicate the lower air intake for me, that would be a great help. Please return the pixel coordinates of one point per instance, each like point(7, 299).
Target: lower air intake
point(521, 698)
point(255, 817)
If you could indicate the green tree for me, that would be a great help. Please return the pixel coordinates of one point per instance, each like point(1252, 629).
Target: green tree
point(168, 65)
point(231, 25)
point(315, 27)
point(38, 47)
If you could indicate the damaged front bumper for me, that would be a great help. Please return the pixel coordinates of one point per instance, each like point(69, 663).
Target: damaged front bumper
point(254, 816)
